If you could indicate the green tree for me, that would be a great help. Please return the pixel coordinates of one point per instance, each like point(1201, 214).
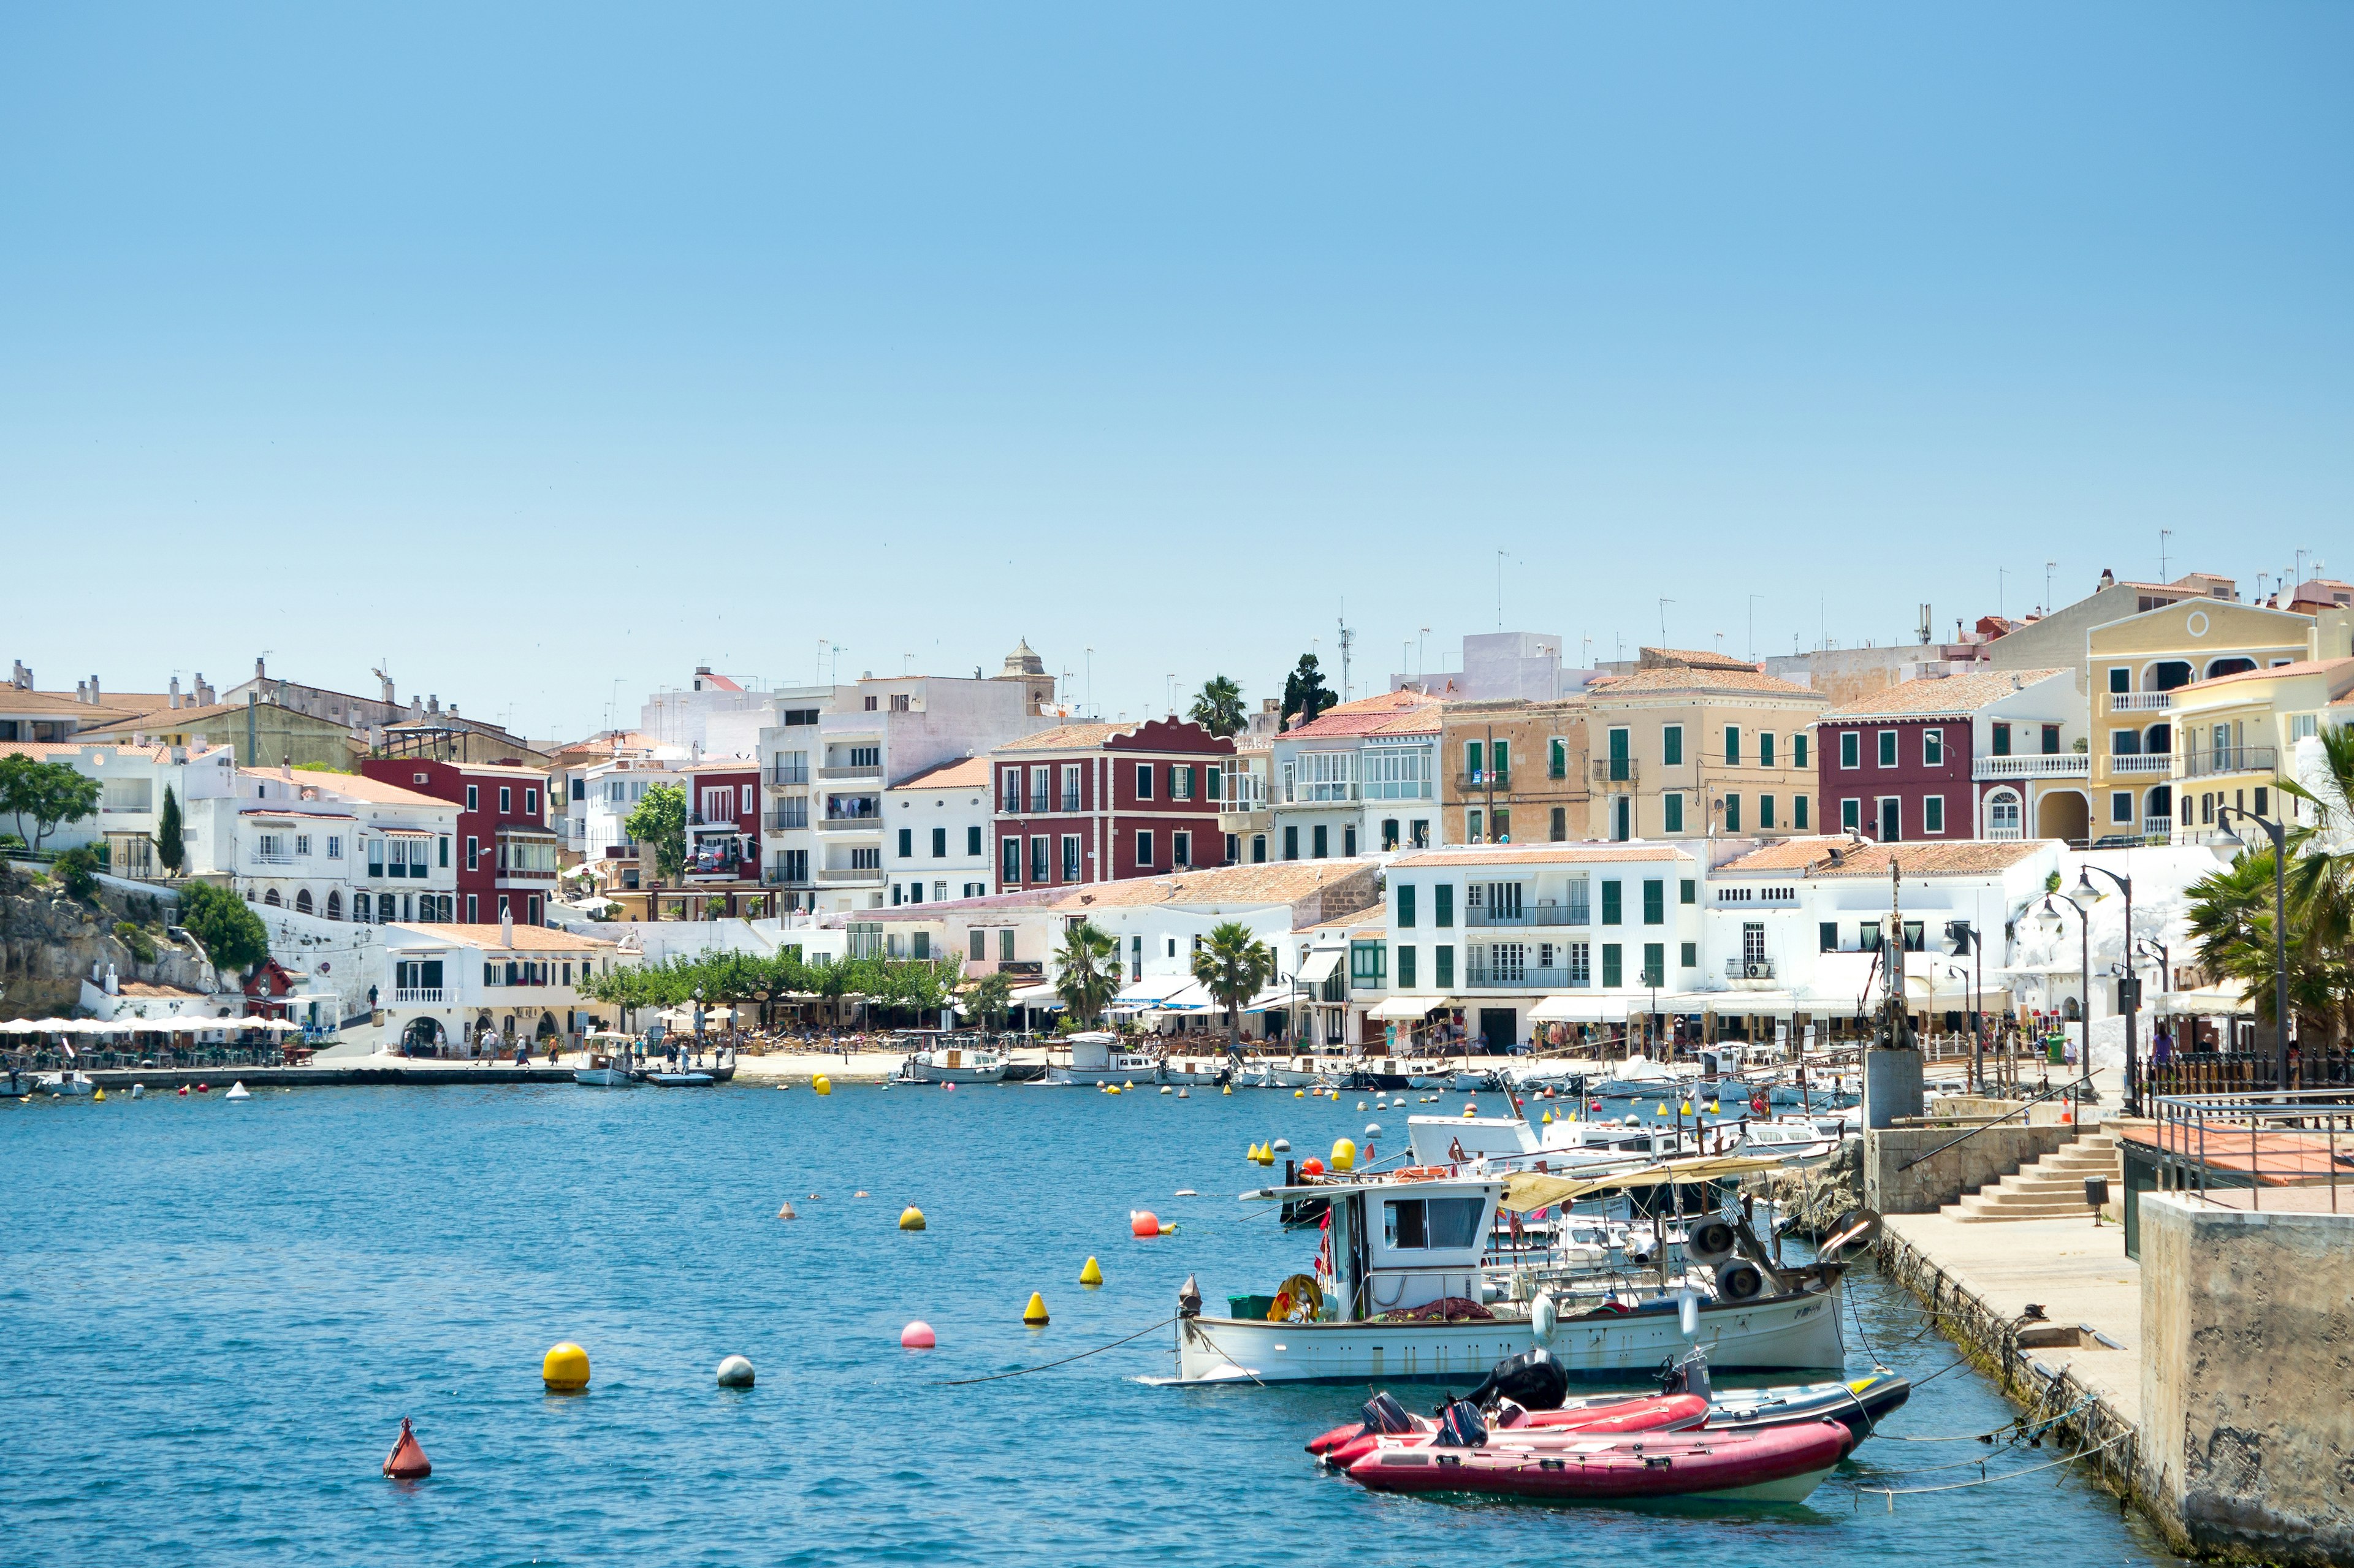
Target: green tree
point(171, 843)
point(1234, 966)
point(990, 999)
point(660, 820)
point(1305, 695)
point(230, 933)
point(1218, 707)
point(1086, 970)
point(50, 793)
point(77, 872)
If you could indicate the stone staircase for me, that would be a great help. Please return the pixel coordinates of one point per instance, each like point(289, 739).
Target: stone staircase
point(2049, 1188)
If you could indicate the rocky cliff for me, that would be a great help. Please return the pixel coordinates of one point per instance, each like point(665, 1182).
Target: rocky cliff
point(49, 941)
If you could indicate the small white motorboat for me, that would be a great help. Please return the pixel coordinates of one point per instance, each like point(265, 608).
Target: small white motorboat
point(606, 1073)
point(1096, 1058)
point(72, 1084)
point(954, 1064)
point(686, 1080)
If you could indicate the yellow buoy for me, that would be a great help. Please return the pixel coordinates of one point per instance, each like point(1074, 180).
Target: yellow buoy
point(1685, 1107)
point(1090, 1276)
point(1227, 1090)
point(100, 1095)
point(1034, 1315)
point(1663, 1108)
point(1300, 1094)
point(1713, 1108)
point(1344, 1155)
point(911, 1218)
point(1546, 1121)
point(822, 1084)
point(565, 1369)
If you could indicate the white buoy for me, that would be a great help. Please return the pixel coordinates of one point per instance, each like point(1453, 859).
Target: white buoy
point(1283, 1146)
point(1373, 1129)
point(138, 1091)
point(237, 1091)
point(1362, 1106)
point(1184, 1094)
point(1166, 1089)
point(735, 1372)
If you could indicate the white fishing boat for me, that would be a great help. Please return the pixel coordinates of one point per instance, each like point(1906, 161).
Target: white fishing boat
point(1196, 1072)
point(1096, 1057)
point(1799, 1139)
point(1400, 1291)
point(1281, 1072)
point(607, 1072)
point(954, 1064)
point(71, 1082)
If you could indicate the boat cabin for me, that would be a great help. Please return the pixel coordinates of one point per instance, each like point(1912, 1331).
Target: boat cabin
point(1398, 1244)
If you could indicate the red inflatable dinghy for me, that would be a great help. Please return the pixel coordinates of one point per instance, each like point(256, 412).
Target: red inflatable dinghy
point(1654, 1413)
point(1780, 1465)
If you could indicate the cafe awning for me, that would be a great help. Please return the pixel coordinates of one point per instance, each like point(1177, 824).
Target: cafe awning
point(1574, 1009)
point(1318, 966)
point(1399, 1009)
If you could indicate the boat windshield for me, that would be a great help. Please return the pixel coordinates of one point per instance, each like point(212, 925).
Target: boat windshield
point(1447, 1224)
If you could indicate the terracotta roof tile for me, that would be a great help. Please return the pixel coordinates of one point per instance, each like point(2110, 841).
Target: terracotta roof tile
point(2331, 667)
point(1955, 695)
point(1391, 713)
point(1069, 738)
point(528, 939)
point(1280, 882)
point(1824, 856)
point(1744, 683)
point(1548, 854)
point(964, 773)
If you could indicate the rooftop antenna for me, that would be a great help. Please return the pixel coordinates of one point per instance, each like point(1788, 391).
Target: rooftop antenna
point(1348, 640)
point(1999, 573)
point(2163, 536)
point(2047, 586)
point(1664, 621)
point(1421, 671)
point(1500, 590)
point(1091, 682)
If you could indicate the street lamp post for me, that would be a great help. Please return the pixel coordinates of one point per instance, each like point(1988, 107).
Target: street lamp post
point(2131, 994)
point(2085, 1009)
point(2279, 835)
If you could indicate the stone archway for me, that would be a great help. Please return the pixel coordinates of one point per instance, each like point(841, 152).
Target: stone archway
point(2063, 814)
point(422, 1037)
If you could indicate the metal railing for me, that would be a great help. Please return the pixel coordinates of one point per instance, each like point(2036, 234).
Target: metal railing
point(2246, 1071)
point(2230, 759)
point(785, 774)
point(788, 822)
point(851, 770)
point(1528, 914)
point(2255, 1143)
point(1615, 770)
point(1526, 976)
point(1749, 968)
point(1496, 778)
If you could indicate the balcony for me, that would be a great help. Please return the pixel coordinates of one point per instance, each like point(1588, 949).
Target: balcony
point(854, 770)
point(787, 822)
point(2157, 762)
point(785, 775)
point(1528, 914)
point(2212, 763)
point(257, 858)
point(1615, 770)
point(843, 875)
point(1479, 783)
point(1749, 968)
point(1324, 792)
point(775, 877)
point(420, 996)
point(1526, 976)
point(2141, 702)
point(848, 823)
point(2045, 765)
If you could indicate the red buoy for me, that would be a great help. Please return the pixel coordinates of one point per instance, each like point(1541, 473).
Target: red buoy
point(407, 1462)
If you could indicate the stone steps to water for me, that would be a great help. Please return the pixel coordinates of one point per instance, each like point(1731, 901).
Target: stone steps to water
point(2049, 1188)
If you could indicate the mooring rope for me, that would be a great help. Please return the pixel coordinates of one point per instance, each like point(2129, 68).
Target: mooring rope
point(1892, 1493)
point(1022, 1371)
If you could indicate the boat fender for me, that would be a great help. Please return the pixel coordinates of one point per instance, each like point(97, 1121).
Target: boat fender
point(1688, 1314)
point(407, 1462)
point(1542, 1316)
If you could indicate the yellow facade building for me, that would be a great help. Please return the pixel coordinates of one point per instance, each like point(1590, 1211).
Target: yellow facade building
point(2235, 737)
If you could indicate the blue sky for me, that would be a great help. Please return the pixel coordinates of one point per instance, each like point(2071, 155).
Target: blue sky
point(539, 348)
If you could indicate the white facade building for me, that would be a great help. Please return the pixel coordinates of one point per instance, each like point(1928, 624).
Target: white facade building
point(132, 781)
point(447, 984)
point(1362, 779)
point(936, 833)
point(336, 845)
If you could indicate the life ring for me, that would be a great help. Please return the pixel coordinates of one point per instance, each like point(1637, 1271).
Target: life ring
point(1418, 1173)
point(1296, 1296)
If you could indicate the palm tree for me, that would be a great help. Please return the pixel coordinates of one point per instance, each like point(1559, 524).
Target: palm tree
point(1086, 970)
point(1234, 966)
point(1218, 707)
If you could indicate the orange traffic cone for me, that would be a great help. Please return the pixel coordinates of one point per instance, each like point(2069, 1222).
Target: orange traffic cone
point(407, 1462)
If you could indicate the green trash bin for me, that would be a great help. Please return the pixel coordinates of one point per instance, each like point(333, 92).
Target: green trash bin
point(2056, 1048)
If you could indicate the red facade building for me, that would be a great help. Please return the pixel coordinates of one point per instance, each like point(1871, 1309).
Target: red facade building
point(1101, 802)
point(505, 850)
point(1948, 757)
point(723, 827)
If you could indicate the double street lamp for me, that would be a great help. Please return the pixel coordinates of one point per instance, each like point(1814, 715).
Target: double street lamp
point(2050, 903)
point(2128, 993)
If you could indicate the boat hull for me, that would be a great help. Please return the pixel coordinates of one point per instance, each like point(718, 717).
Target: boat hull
point(1781, 1466)
point(1781, 1333)
point(604, 1077)
point(917, 1073)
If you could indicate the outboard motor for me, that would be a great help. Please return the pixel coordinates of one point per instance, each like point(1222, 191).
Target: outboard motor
point(1385, 1415)
point(1688, 1376)
point(1532, 1379)
point(1459, 1426)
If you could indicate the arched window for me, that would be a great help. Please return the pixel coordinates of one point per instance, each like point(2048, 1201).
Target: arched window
point(2002, 815)
point(271, 898)
point(335, 904)
point(302, 902)
point(2229, 667)
point(2167, 674)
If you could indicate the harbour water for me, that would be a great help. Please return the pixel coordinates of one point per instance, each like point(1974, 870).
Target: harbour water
point(213, 1316)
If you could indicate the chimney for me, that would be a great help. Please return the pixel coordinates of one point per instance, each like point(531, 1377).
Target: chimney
point(20, 677)
point(176, 692)
point(113, 986)
point(433, 705)
point(506, 927)
point(258, 672)
point(93, 689)
point(416, 709)
point(82, 690)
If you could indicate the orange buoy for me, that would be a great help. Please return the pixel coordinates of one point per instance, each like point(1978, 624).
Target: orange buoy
point(918, 1336)
point(1314, 1167)
point(1144, 1222)
point(407, 1461)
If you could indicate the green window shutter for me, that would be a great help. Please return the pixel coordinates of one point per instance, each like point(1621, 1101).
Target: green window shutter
point(1731, 813)
point(1443, 969)
point(1672, 813)
point(1671, 745)
point(907, 843)
point(1765, 812)
point(1472, 755)
point(1612, 911)
point(1503, 750)
point(1405, 908)
point(1798, 812)
point(1655, 902)
point(1558, 766)
point(1613, 964)
point(1655, 963)
point(1732, 745)
point(1798, 750)
point(1688, 892)
point(1443, 905)
point(1827, 934)
point(1406, 969)
point(1691, 955)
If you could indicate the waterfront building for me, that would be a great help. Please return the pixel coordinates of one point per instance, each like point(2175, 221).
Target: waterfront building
point(936, 833)
point(446, 984)
point(2237, 737)
point(1104, 802)
point(1692, 746)
point(1959, 757)
point(133, 777)
point(1362, 777)
point(1515, 772)
point(336, 846)
point(505, 851)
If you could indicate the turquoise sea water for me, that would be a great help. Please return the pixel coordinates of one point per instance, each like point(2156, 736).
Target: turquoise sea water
point(213, 1317)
